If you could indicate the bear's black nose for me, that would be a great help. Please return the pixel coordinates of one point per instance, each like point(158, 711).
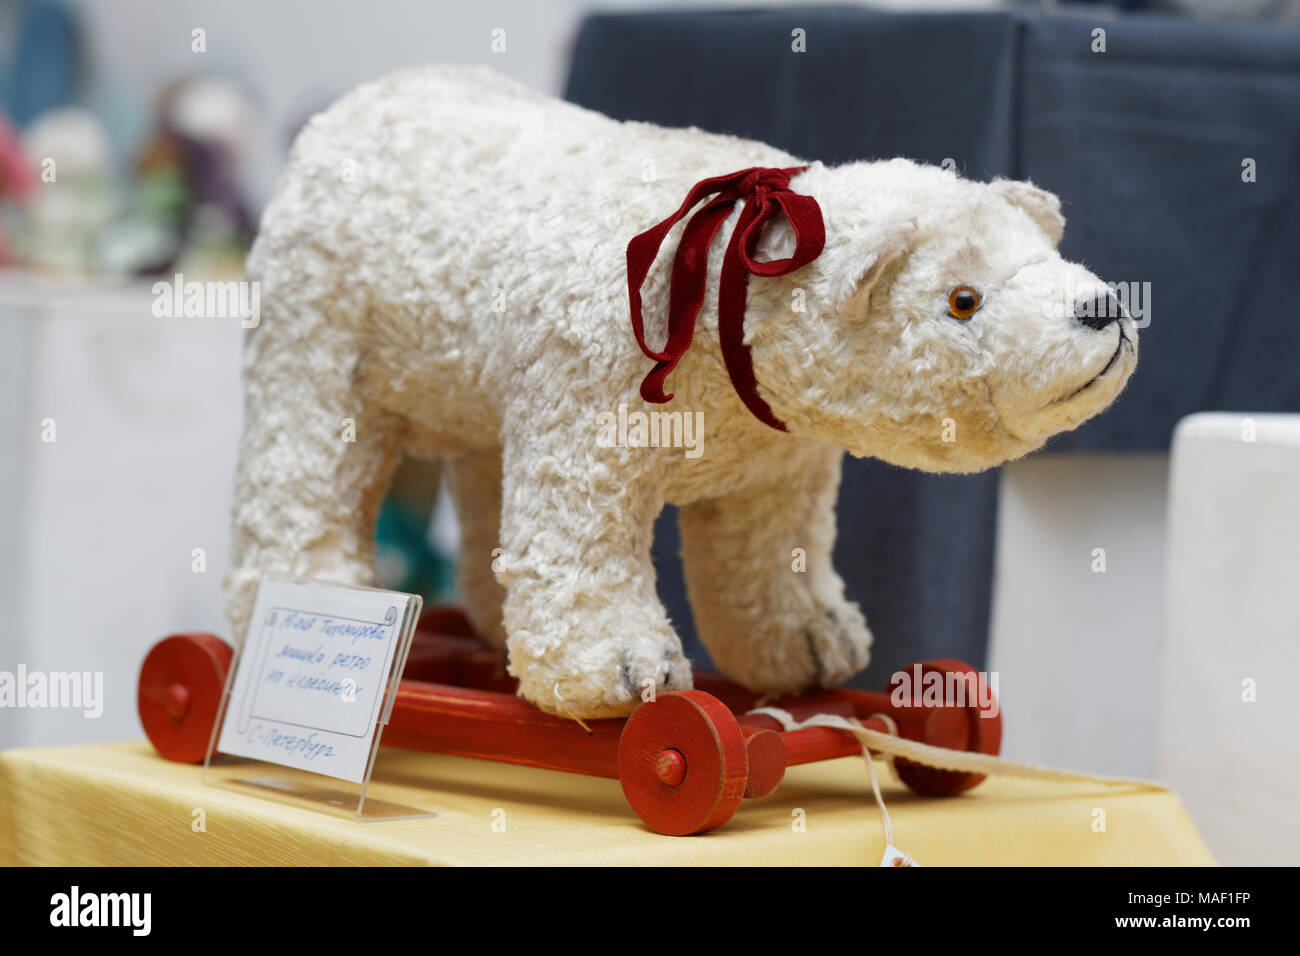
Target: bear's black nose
point(1098, 309)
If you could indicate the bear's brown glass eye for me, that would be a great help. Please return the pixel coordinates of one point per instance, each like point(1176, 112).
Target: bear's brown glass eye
point(963, 302)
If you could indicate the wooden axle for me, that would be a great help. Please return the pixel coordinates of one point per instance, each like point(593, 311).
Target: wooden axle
point(685, 760)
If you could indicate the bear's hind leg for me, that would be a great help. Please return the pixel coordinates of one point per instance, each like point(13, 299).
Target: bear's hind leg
point(767, 602)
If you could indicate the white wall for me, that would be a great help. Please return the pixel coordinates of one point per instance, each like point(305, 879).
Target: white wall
point(1075, 649)
point(1229, 711)
point(101, 523)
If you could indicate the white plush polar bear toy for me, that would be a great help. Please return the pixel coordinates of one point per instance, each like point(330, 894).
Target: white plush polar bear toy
point(448, 270)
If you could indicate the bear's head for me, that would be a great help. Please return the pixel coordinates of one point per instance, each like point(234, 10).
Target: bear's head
point(939, 329)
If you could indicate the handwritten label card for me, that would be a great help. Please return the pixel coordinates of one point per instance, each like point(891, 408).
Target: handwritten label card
point(309, 688)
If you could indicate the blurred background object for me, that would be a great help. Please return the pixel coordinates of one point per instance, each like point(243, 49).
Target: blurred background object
point(189, 210)
point(16, 178)
point(38, 57)
point(61, 226)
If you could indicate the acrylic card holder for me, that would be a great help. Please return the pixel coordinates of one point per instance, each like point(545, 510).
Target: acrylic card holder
point(309, 693)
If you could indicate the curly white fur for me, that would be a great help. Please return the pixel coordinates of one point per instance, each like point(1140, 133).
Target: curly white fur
point(443, 266)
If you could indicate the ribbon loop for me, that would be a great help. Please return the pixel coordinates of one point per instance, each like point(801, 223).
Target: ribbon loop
point(766, 194)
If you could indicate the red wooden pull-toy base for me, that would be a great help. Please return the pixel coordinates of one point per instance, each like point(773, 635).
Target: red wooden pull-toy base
point(685, 760)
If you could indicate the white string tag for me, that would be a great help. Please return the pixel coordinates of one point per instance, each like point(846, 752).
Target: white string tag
point(896, 857)
point(893, 855)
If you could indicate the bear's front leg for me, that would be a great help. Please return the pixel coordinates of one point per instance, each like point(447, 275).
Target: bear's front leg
point(586, 633)
point(766, 599)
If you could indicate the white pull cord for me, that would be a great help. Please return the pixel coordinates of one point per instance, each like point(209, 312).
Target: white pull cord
point(942, 758)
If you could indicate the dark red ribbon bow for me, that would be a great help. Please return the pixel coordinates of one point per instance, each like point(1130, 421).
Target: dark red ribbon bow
point(765, 192)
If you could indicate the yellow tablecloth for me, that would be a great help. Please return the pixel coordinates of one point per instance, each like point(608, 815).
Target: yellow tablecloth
point(122, 804)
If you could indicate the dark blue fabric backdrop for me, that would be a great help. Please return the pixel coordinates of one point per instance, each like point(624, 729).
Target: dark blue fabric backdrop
point(1143, 142)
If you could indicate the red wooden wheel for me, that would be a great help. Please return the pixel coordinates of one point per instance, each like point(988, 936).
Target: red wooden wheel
point(682, 763)
point(957, 725)
point(181, 682)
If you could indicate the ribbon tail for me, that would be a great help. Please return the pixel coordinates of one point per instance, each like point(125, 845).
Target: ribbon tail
point(686, 294)
point(731, 325)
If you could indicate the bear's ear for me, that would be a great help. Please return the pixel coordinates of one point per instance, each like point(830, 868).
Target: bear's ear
point(887, 249)
point(1043, 207)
